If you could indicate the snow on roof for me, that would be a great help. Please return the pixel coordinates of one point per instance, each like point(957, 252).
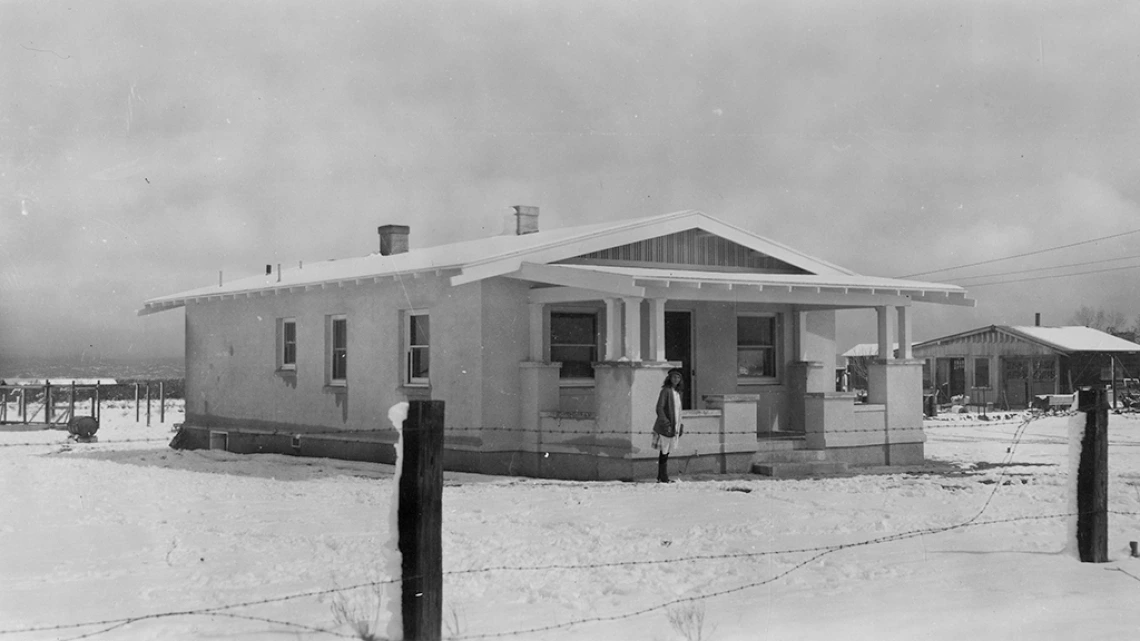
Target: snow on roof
point(496, 255)
point(1076, 338)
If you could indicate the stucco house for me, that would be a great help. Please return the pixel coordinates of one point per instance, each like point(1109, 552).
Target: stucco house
point(549, 347)
point(1009, 365)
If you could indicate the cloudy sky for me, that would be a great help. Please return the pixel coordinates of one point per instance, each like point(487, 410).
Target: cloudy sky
point(146, 146)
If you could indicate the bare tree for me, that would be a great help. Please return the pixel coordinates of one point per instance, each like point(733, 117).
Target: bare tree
point(1100, 318)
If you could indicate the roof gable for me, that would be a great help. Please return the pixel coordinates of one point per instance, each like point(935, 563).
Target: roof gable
point(612, 237)
point(693, 249)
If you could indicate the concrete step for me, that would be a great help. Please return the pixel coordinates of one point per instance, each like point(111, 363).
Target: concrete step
point(780, 444)
point(799, 470)
point(789, 456)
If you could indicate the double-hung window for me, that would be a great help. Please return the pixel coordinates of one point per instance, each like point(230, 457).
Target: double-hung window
point(338, 349)
point(574, 343)
point(756, 356)
point(287, 344)
point(417, 349)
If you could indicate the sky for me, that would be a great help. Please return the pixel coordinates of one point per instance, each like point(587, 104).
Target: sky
point(144, 147)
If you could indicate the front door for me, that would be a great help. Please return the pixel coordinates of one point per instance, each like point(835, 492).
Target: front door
point(950, 378)
point(679, 347)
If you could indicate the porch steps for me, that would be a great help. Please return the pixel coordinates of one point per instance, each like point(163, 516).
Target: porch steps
point(790, 458)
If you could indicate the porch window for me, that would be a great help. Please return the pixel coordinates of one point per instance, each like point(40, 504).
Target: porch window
point(417, 350)
point(756, 347)
point(574, 343)
point(338, 349)
point(287, 344)
point(982, 372)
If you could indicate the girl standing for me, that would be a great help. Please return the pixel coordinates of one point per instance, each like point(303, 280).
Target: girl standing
point(667, 429)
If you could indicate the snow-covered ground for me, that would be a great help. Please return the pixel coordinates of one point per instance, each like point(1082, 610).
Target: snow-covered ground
point(127, 539)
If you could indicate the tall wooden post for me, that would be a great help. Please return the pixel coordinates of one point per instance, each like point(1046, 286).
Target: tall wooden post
point(161, 402)
point(48, 403)
point(420, 516)
point(71, 404)
point(1092, 478)
point(23, 405)
point(148, 403)
point(97, 407)
point(136, 402)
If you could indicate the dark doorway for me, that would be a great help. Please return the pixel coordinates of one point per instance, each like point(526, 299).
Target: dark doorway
point(950, 378)
point(679, 347)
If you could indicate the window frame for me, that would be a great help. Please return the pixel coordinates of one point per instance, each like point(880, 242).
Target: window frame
point(595, 315)
point(775, 349)
point(283, 344)
point(410, 349)
point(332, 350)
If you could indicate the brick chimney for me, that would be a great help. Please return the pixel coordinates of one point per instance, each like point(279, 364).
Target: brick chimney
point(526, 219)
point(393, 239)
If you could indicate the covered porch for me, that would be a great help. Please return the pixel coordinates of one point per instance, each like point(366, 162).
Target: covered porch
point(601, 427)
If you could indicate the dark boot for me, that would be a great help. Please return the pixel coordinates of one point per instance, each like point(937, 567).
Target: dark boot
point(663, 468)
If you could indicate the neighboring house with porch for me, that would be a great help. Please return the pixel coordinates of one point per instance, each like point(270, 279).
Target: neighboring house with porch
point(1010, 365)
point(549, 348)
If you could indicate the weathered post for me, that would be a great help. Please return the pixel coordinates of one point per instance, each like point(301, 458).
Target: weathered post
point(148, 403)
point(136, 402)
point(1092, 478)
point(96, 406)
point(420, 516)
point(71, 403)
point(48, 403)
point(23, 405)
point(161, 402)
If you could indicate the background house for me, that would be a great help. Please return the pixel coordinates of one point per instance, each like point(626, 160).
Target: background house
point(1008, 365)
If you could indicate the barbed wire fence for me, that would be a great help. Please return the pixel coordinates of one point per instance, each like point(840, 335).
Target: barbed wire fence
point(816, 553)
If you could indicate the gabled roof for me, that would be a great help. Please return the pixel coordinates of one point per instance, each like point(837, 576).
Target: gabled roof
point(473, 260)
point(1066, 339)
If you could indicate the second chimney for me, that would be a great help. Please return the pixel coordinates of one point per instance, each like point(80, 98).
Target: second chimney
point(526, 219)
point(393, 239)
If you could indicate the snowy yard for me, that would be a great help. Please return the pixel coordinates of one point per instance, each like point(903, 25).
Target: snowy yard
point(127, 539)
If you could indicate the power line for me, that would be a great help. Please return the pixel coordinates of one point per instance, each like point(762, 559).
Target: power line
point(1032, 253)
point(1025, 280)
point(1040, 269)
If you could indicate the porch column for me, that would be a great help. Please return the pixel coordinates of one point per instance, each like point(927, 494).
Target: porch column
point(536, 333)
point(886, 349)
point(657, 329)
point(801, 340)
point(904, 332)
point(613, 329)
point(632, 327)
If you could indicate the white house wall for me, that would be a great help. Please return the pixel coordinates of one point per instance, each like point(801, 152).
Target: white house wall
point(231, 352)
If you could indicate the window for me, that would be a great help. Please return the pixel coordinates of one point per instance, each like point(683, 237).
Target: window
point(756, 347)
point(981, 372)
point(338, 350)
point(287, 344)
point(574, 343)
point(418, 337)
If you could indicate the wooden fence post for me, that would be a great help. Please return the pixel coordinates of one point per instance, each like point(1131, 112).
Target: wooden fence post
point(48, 403)
point(148, 403)
point(23, 405)
point(96, 406)
point(161, 402)
point(71, 404)
point(420, 517)
point(1092, 478)
point(136, 402)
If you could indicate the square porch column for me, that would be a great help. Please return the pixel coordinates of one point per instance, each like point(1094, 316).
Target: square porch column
point(613, 330)
point(632, 327)
point(904, 332)
point(657, 329)
point(537, 333)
